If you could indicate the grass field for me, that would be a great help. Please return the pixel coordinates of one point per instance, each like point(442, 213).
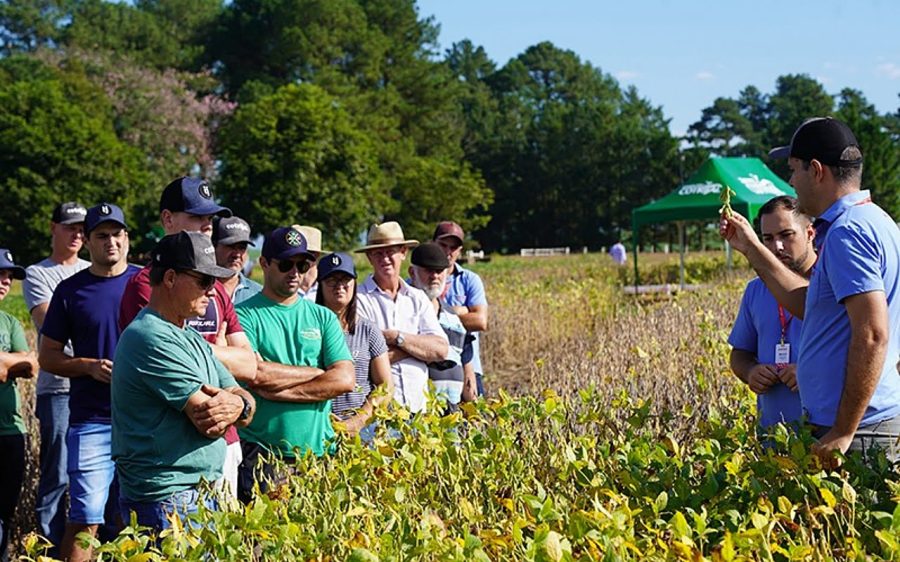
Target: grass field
point(613, 431)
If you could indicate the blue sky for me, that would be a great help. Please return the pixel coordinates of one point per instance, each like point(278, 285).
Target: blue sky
point(683, 54)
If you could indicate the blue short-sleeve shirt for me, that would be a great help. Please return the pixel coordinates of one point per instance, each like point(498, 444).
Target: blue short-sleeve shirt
point(859, 252)
point(465, 288)
point(757, 330)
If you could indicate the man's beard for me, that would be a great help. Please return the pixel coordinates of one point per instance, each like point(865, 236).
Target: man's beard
point(432, 292)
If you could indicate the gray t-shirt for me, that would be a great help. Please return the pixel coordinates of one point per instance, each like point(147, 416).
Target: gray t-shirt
point(40, 281)
point(365, 343)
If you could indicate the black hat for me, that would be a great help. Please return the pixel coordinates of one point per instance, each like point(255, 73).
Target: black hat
point(337, 262)
point(7, 262)
point(430, 256)
point(230, 230)
point(99, 214)
point(192, 196)
point(283, 243)
point(69, 213)
point(188, 251)
point(823, 139)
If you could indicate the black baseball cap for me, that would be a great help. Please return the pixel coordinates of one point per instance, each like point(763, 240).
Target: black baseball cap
point(192, 196)
point(430, 256)
point(69, 213)
point(823, 139)
point(7, 262)
point(188, 251)
point(337, 262)
point(285, 242)
point(99, 214)
point(230, 230)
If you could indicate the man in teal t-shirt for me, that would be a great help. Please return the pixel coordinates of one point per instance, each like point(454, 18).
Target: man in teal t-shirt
point(15, 362)
point(304, 361)
point(172, 400)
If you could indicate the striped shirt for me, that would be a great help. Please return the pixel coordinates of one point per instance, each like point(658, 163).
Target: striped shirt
point(365, 343)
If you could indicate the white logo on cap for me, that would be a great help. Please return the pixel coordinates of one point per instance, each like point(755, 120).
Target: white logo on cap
point(208, 250)
point(9, 257)
point(237, 226)
point(204, 191)
point(335, 260)
point(76, 211)
point(105, 210)
point(293, 238)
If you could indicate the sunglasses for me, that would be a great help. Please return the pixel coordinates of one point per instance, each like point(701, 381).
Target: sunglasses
point(205, 282)
point(285, 266)
point(334, 281)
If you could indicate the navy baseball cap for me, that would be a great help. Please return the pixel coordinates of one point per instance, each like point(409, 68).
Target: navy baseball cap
point(192, 196)
point(69, 213)
point(337, 262)
point(821, 138)
point(189, 251)
point(99, 214)
point(7, 262)
point(285, 242)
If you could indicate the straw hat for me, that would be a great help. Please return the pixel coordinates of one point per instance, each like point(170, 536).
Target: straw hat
point(313, 237)
point(386, 234)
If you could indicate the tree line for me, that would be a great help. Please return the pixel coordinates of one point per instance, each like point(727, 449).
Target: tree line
point(341, 113)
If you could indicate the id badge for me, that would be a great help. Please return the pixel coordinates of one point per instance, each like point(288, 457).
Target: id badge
point(782, 353)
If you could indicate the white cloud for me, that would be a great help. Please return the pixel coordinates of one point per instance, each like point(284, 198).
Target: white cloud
point(889, 70)
point(626, 75)
point(705, 75)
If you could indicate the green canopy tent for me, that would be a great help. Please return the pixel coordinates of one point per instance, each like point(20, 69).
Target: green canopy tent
point(698, 198)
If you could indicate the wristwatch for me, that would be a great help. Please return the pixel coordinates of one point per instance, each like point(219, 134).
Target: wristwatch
point(245, 413)
point(400, 339)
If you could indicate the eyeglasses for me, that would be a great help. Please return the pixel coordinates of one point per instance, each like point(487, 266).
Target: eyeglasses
point(205, 282)
point(285, 266)
point(332, 282)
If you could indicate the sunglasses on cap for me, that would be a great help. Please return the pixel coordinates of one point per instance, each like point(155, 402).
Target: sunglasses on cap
point(285, 266)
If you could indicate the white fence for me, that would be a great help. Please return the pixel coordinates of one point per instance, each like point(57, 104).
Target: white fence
point(540, 252)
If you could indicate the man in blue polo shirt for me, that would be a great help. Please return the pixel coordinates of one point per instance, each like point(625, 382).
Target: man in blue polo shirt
point(84, 310)
point(850, 342)
point(465, 293)
point(765, 337)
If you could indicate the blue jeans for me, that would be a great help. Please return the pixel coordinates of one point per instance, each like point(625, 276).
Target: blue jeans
point(12, 472)
point(156, 514)
point(52, 411)
point(92, 484)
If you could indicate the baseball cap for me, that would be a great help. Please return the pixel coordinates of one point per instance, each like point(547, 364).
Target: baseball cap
point(823, 139)
point(99, 214)
point(230, 230)
point(337, 262)
point(448, 228)
point(192, 196)
point(430, 256)
point(7, 262)
point(69, 213)
point(188, 251)
point(285, 242)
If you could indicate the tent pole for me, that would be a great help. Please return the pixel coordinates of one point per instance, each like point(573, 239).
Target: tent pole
point(727, 256)
point(681, 244)
point(635, 229)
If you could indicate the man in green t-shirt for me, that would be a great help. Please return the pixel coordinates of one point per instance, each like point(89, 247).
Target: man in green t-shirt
point(172, 400)
point(304, 361)
point(15, 362)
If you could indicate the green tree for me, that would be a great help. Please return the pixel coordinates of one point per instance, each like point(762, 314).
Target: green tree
point(26, 25)
point(57, 143)
point(296, 157)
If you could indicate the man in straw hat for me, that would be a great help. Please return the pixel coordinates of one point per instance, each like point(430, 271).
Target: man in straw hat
point(405, 315)
point(309, 285)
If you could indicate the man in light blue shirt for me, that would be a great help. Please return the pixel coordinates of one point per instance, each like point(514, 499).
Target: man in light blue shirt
point(850, 342)
point(765, 337)
point(231, 238)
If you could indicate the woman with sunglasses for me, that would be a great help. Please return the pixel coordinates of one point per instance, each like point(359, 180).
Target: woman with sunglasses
point(337, 291)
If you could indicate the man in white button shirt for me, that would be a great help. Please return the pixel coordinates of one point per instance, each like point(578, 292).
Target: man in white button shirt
point(405, 315)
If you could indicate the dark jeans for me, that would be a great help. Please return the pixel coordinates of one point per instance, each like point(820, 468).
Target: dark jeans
point(256, 468)
point(52, 411)
point(883, 435)
point(12, 472)
point(479, 384)
point(156, 514)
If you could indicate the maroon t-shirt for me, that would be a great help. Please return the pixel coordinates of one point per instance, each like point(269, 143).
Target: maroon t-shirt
point(220, 309)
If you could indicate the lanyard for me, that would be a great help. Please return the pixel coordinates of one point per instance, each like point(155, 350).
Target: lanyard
point(785, 322)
